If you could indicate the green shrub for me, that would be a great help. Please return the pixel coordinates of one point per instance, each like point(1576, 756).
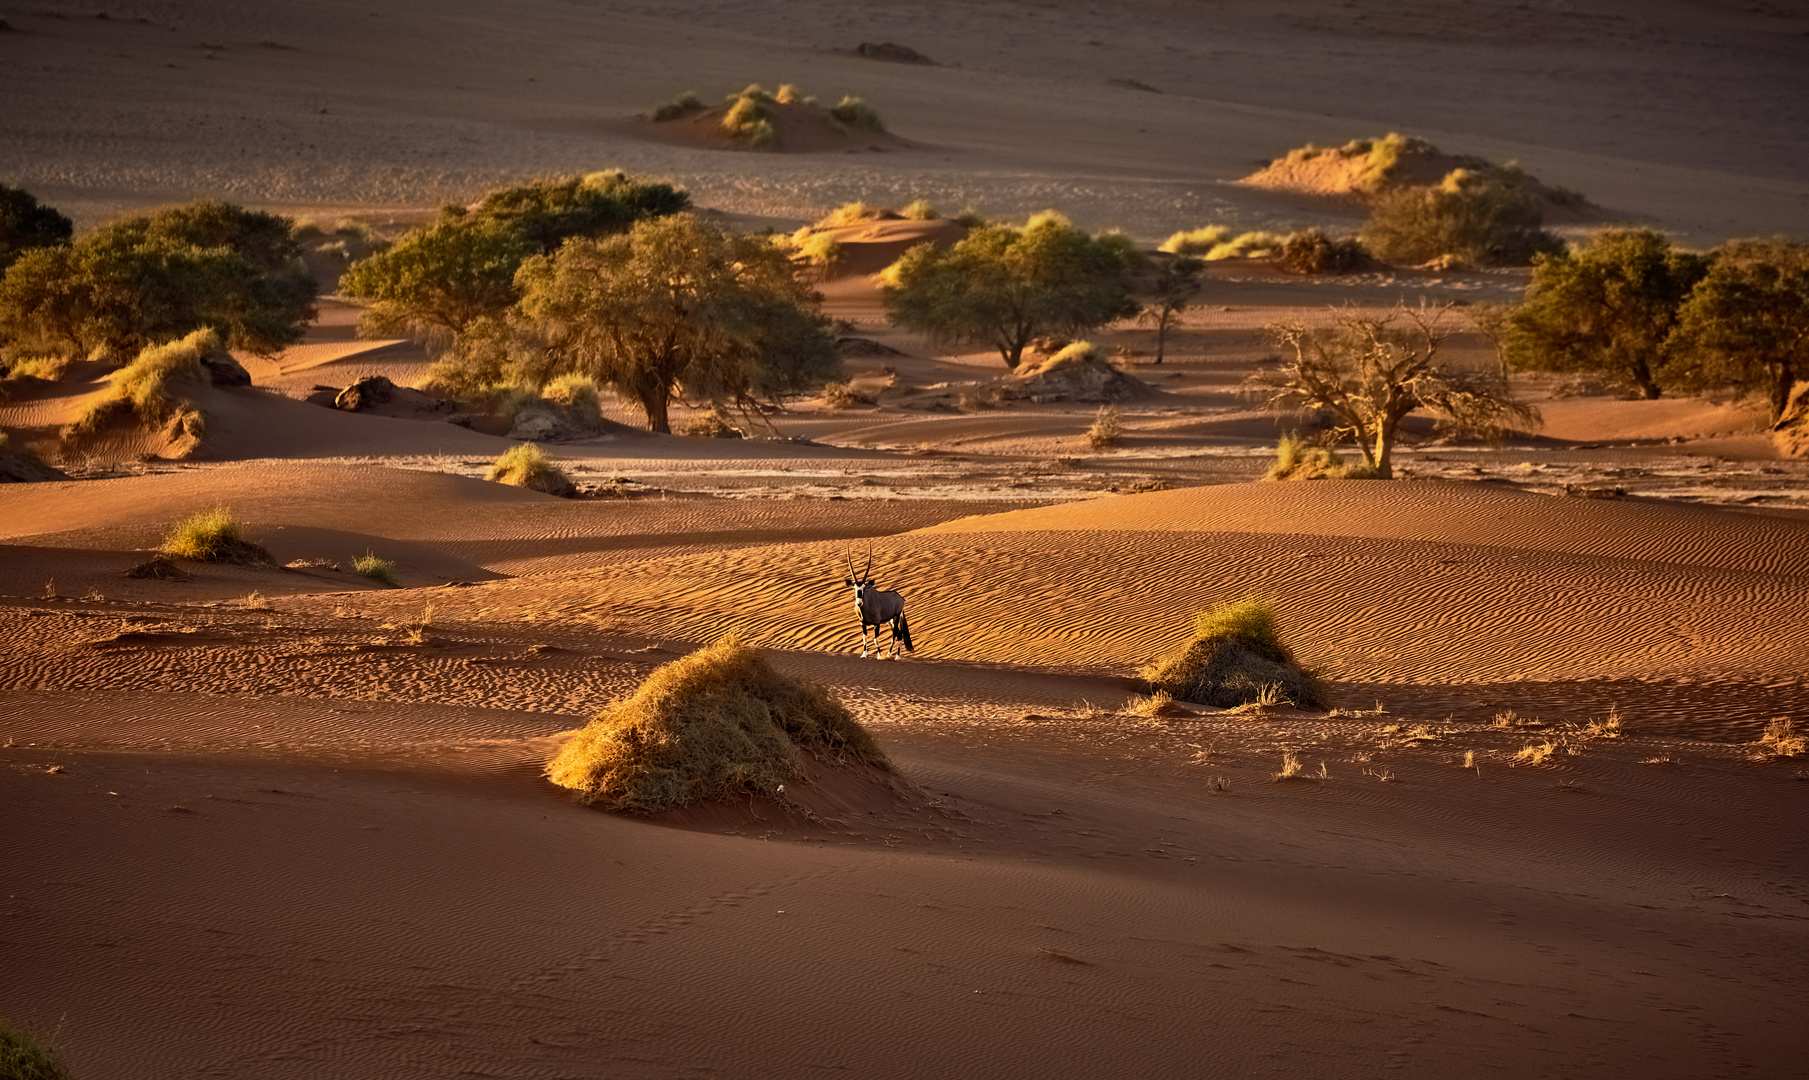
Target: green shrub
point(856, 113)
point(26, 224)
point(1196, 241)
point(375, 567)
point(717, 723)
point(24, 1055)
point(215, 536)
point(1468, 218)
point(528, 466)
point(920, 210)
point(1311, 251)
point(1236, 657)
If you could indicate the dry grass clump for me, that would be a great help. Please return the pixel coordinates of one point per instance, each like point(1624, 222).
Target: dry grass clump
point(1236, 658)
point(25, 1055)
point(919, 210)
point(1107, 430)
point(149, 387)
point(1608, 727)
point(528, 466)
point(376, 567)
point(1535, 753)
point(749, 119)
point(850, 213)
point(841, 394)
point(1196, 241)
point(1151, 705)
point(577, 395)
point(715, 424)
point(822, 251)
point(857, 114)
point(685, 104)
point(215, 536)
point(718, 722)
point(1249, 245)
point(1782, 740)
point(1298, 459)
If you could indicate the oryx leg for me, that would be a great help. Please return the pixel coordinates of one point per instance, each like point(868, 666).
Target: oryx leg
point(864, 641)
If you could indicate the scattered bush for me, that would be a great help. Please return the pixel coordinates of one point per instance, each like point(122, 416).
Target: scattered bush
point(1107, 429)
point(749, 118)
point(685, 104)
point(1237, 657)
point(375, 567)
point(719, 722)
point(920, 210)
point(1471, 219)
point(528, 466)
point(215, 536)
point(24, 1055)
point(1196, 241)
point(1311, 251)
point(856, 113)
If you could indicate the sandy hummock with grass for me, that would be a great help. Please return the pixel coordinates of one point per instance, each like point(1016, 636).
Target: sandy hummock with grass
point(291, 817)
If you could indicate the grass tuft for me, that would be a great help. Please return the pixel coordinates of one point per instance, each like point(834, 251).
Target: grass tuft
point(920, 210)
point(1107, 430)
point(1782, 740)
point(149, 387)
point(215, 536)
point(376, 567)
point(1535, 753)
point(25, 1055)
point(1196, 241)
point(1237, 658)
point(719, 722)
point(1152, 705)
point(528, 466)
point(856, 113)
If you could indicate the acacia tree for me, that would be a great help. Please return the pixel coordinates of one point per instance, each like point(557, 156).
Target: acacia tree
point(1007, 287)
point(1606, 308)
point(1371, 372)
point(1177, 284)
point(438, 280)
point(1746, 324)
point(146, 280)
point(676, 309)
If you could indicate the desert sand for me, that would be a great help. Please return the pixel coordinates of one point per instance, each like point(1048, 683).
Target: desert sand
point(273, 822)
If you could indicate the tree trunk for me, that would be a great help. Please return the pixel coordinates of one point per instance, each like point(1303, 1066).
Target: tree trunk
point(1642, 377)
point(1383, 458)
point(655, 404)
point(1161, 335)
point(1782, 379)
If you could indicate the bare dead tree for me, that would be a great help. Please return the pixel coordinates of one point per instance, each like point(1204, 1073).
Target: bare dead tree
point(1370, 372)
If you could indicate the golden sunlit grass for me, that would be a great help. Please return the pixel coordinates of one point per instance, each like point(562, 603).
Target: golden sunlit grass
point(1291, 768)
point(718, 722)
point(1608, 727)
point(1107, 429)
point(1236, 658)
point(376, 567)
point(528, 466)
point(1535, 753)
point(149, 387)
point(215, 536)
point(1781, 739)
point(1149, 706)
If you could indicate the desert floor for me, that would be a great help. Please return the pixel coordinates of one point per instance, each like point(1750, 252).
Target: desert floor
point(288, 823)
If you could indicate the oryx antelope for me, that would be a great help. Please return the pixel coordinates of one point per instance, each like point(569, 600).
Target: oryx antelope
point(878, 609)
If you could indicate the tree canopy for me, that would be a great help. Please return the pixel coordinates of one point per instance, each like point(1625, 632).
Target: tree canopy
point(26, 224)
point(676, 308)
point(1007, 287)
point(1746, 324)
point(1372, 372)
point(145, 280)
point(1607, 307)
point(438, 280)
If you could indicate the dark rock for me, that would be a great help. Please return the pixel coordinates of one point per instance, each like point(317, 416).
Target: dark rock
point(366, 394)
point(892, 53)
point(223, 370)
point(158, 569)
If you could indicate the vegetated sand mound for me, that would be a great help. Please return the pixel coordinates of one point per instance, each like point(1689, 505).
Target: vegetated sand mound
point(1237, 657)
point(1401, 582)
point(717, 723)
point(1079, 372)
point(1791, 432)
point(798, 128)
point(1364, 168)
point(872, 244)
